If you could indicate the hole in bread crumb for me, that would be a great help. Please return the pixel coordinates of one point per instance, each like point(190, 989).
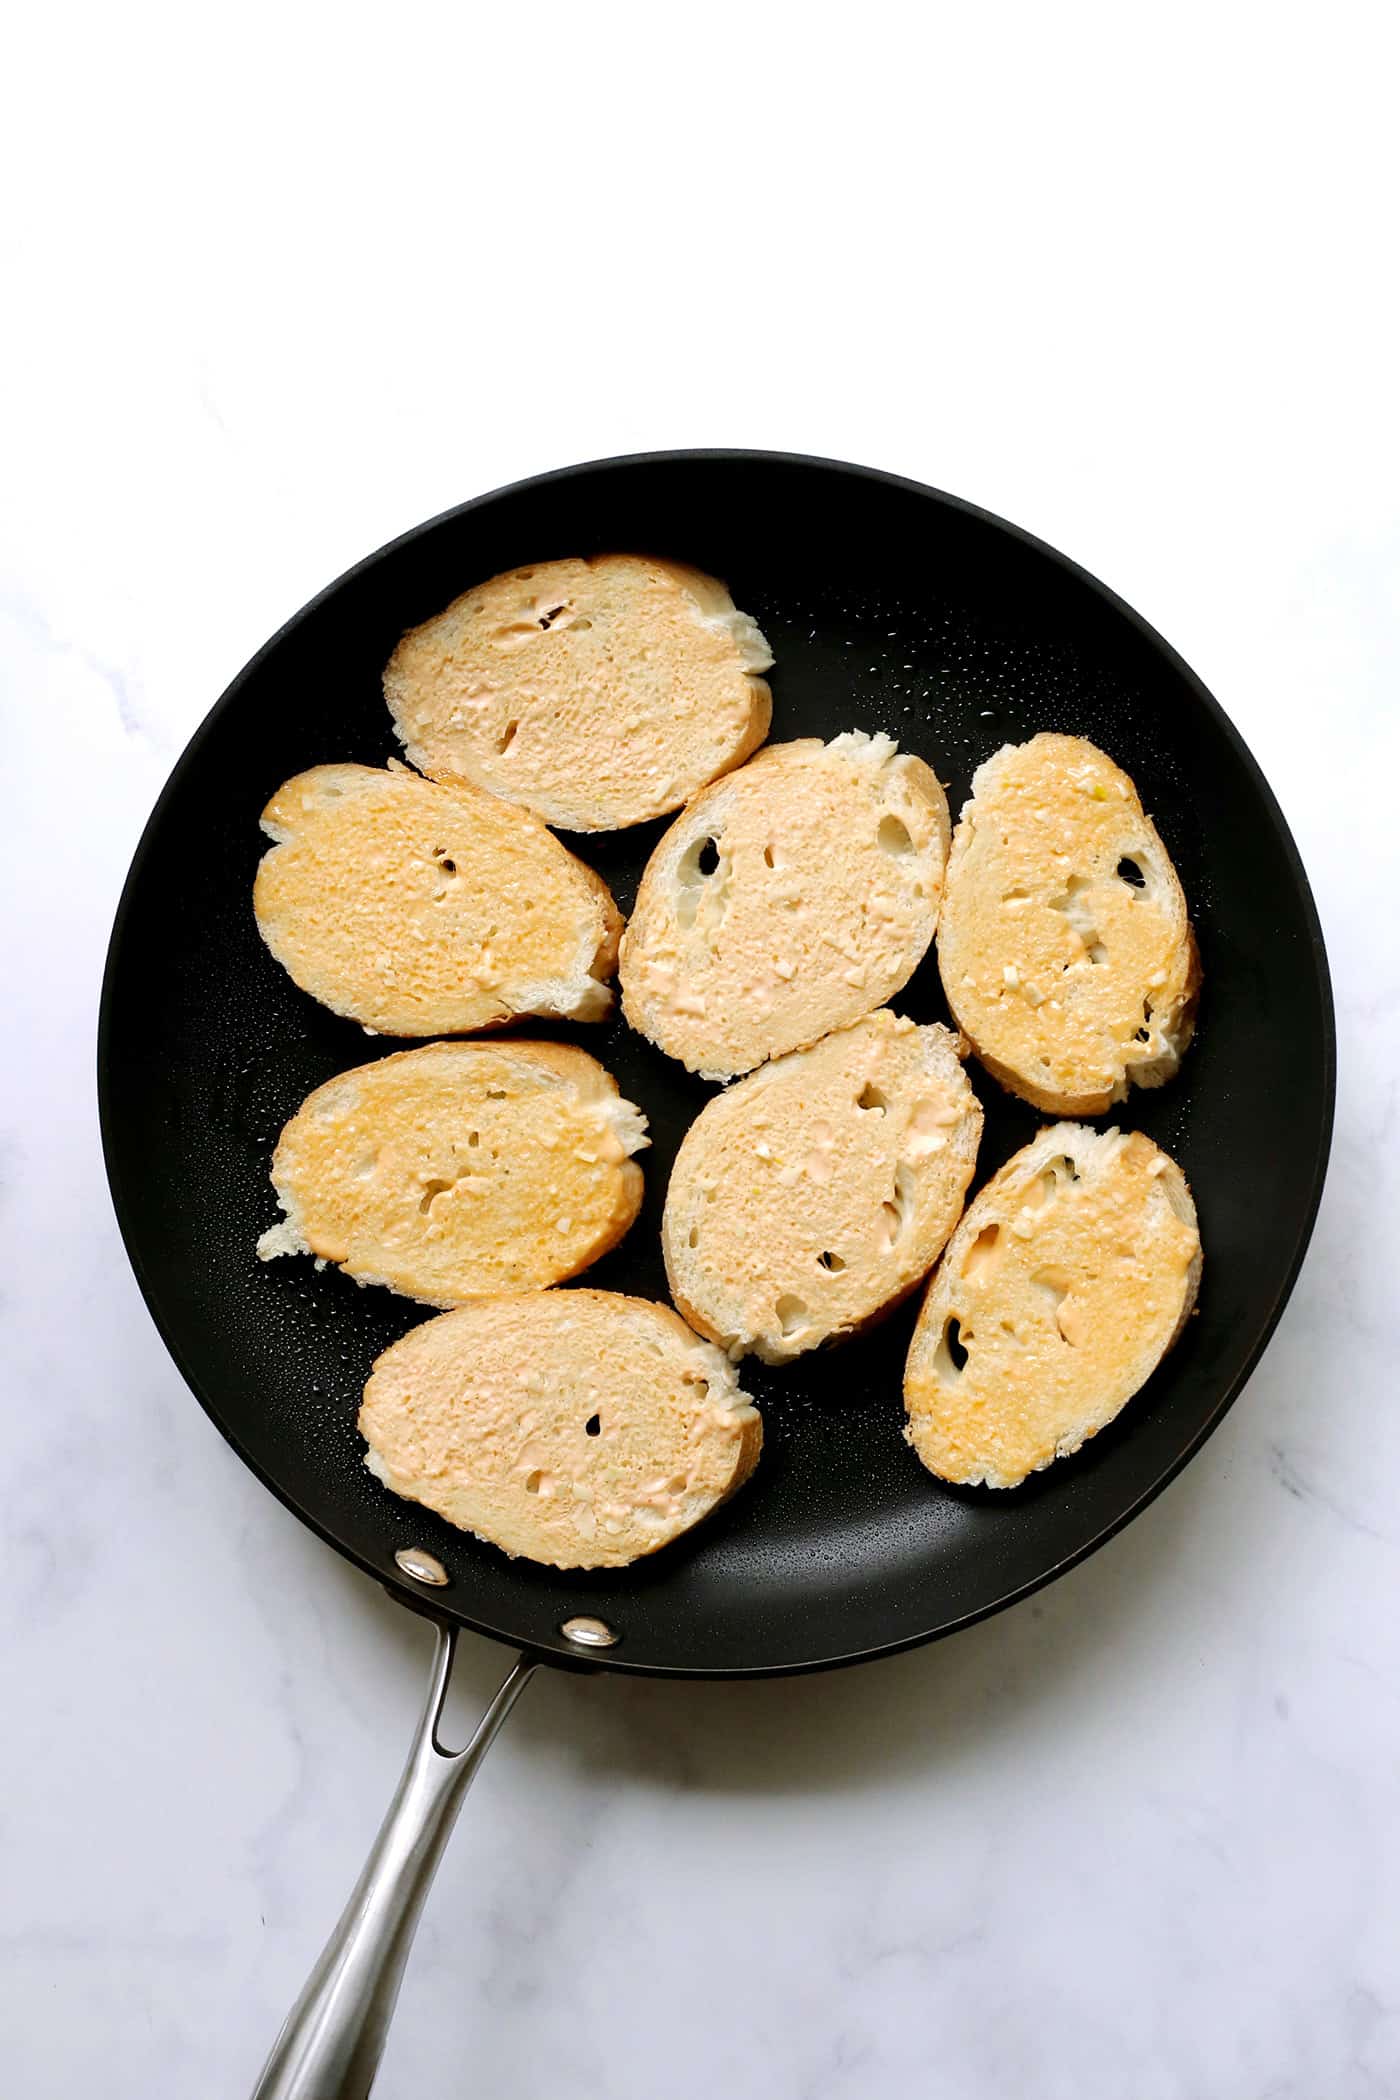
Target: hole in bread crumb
point(982, 1254)
point(953, 1343)
point(871, 1097)
point(593, 1426)
point(692, 1238)
point(431, 1191)
point(547, 619)
point(1080, 913)
point(893, 837)
point(791, 1312)
point(474, 1137)
point(895, 1213)
point(1128, 871)
point(696, 865)
point(534, 1482)
point(507, 736)
point(1056, 1286)
point(1053, 1176)
point(768, 860)
point(832, 1263)
point(700, 858)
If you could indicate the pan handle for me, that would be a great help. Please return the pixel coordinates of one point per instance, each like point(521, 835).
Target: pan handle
point(333, 2037)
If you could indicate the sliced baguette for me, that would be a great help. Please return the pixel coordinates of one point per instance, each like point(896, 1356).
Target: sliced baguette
point(459, 1169)
point(1071, 1275)
point(810, 1197)
point(597, 693)
point(1064, 943)
point(423, 910)
point(787, 900)
point(576, 1428)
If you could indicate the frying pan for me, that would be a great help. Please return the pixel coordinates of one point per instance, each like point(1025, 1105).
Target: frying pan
point(888, 606)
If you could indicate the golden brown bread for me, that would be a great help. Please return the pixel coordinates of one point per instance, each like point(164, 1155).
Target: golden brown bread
point(787, 899)
point(1071, 1275)
point(597, 693)
point(460, 1168)
point(1064, 943)
point(574, 1427)
point(424, 910)
point(816, 1193)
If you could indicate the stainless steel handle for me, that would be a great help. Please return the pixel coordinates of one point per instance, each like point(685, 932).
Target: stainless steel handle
point(333, 2037)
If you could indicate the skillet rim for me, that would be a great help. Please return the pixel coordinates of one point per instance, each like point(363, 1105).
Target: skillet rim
point(443, 1611)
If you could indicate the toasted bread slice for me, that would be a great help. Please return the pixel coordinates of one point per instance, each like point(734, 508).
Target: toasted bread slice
point(425, 910)
point(810, 1197)
point(1071, 1275)
point(1064, 945)
point(460, 1169)
point(787, 900)
point(576, 1428)
point(597, 693)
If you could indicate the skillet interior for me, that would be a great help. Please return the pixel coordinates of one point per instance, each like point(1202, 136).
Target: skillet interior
point(888, 606)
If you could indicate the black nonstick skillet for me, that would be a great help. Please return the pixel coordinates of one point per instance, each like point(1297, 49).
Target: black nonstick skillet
point(888, 606)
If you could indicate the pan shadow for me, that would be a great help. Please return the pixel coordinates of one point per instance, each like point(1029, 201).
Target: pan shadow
point(936, 1706)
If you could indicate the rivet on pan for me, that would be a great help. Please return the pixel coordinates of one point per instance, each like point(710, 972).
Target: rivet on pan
point(423, 1567)
point(589, 1633)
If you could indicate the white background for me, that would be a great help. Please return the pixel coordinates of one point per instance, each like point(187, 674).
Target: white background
point(280, 282)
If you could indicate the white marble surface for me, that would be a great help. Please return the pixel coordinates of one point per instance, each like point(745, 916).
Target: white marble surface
point(283, 281)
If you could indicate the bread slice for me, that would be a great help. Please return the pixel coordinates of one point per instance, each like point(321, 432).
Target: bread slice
point(597, 693)
point(813, 1195)
point(460, 1168)
point(576, 1428)
point(1064, 945)
point(424, 910)
point(787, 900)
point(1071, 1275)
